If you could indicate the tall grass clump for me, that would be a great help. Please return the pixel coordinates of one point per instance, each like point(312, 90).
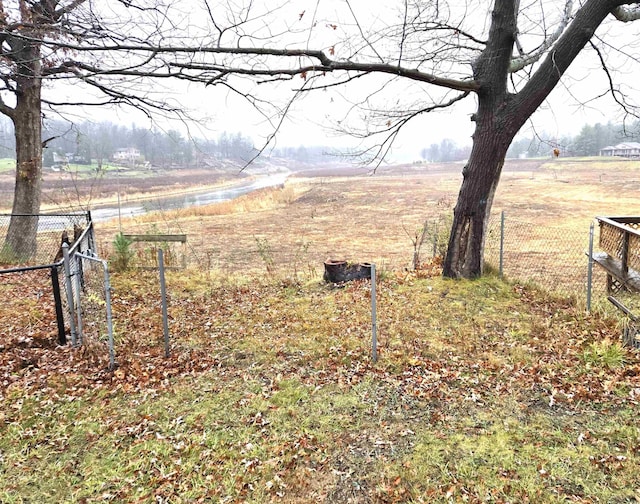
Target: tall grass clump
point(605, 353)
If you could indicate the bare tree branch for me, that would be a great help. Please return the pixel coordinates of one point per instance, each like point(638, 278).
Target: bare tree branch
point(614, 92)
point(527, 59)
point(627, 13)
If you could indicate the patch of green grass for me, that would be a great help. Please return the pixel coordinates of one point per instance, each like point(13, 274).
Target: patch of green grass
point(605, 353)
point(540, 459)
point(7, 165)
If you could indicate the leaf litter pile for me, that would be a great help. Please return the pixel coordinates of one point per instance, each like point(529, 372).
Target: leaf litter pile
point(483, 391)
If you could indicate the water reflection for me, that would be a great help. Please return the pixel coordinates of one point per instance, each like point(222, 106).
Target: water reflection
point(187, 200)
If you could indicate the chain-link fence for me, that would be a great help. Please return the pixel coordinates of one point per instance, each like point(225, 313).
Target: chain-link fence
point(558, 259)
point(552, 257)
point(67, 297)
point(51, 230)
point(31, 314)
point(93, 322)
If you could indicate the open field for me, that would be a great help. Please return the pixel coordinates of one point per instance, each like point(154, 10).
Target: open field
point(549, 206)
point(484, 391)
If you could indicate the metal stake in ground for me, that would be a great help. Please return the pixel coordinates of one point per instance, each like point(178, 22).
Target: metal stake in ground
point(374, 325)
point(163, 294)
point(590, 268)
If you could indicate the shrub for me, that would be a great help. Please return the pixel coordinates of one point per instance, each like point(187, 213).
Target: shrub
point(122, 253)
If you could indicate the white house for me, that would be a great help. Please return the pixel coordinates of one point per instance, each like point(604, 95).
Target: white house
point(626, 149)
point(127, 154)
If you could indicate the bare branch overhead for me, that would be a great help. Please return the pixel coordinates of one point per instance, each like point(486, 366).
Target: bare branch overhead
point(627, 13)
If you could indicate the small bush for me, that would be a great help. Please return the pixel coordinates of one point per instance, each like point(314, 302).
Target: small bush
point(122, 253)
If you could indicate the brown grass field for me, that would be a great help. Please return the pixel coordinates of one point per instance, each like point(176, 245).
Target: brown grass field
point(347, 214)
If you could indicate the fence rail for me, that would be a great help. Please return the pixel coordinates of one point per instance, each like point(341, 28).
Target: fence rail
point(620, 256)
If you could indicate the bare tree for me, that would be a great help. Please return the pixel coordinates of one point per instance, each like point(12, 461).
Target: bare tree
point(35, 61)
point(505, 60)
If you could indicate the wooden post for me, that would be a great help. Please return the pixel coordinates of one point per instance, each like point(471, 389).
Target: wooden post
point(625, 254)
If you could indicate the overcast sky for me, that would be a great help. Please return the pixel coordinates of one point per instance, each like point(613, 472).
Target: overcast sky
point(311, 120)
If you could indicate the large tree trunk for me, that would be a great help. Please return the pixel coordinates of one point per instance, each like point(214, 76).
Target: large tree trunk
point(496, 125)
point(20, 242)
point(500, 115)
point(471, 215)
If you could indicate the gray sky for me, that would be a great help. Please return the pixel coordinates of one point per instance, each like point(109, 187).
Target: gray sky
point(309, 121)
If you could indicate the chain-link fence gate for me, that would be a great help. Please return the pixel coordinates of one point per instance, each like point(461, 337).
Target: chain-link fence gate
point(47, 295)
point(89, 276)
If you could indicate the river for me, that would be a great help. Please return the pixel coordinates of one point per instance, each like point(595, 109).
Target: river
point(191, 199)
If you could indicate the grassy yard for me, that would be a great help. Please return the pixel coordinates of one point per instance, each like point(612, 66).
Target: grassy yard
point(7, 165)
point(483, 392)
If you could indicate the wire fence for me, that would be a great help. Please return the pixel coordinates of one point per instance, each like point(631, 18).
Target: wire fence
point(560, 260)
point(92, 303)
point(51, 231)
point(553, 257)
point(65, 299)
point(72, 297)
point(28, 315)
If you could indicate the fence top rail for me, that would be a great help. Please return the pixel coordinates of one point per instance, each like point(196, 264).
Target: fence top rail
point(620, 223)
point(90, 258)
point(68, 214)
point(157, 238)
point(22, 269)
point(72, 250)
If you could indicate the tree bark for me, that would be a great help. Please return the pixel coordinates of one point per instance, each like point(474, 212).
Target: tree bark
point(20, 242)
point(465, 252)
point(499, 116)
point(495, 128)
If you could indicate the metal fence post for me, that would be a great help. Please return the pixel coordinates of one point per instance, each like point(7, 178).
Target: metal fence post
point(78, 300)
point(57, 300)
point(501, 270)
point(69, 288)
point(374, 324)
point(107, 297)
point(590, 268)
point(163, 294)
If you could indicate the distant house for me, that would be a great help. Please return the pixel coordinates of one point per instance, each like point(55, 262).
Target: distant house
point(60, 158)
point(127, 154)
point(626, 149)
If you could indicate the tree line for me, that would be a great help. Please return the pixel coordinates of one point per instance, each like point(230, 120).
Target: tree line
point(90, 142)
point(588, 142)
point(97, 142)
